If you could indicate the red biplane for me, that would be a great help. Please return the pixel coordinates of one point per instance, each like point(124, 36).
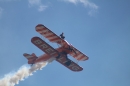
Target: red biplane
point(59, 54)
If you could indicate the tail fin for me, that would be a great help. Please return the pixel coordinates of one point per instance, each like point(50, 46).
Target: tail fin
point(31, 58)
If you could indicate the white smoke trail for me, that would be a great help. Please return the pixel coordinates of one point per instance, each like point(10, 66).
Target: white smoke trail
point(23, 72)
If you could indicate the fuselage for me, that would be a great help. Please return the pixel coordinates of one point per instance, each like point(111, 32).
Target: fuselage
point(63, 48)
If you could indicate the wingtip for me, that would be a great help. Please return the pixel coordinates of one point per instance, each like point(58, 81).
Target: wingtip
point(39, 28)
point(39, 25)
point(86, 58)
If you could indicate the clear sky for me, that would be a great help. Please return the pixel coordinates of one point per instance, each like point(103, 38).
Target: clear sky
point(98, 28)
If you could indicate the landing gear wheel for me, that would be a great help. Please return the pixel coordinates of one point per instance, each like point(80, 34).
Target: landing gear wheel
point(68, 63)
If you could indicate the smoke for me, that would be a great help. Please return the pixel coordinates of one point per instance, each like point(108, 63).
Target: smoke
point(13, 78)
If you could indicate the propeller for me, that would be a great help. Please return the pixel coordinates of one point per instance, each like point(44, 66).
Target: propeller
point(71, 49)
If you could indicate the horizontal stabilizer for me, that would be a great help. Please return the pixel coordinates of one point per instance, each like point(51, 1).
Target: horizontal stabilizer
point(31, 57)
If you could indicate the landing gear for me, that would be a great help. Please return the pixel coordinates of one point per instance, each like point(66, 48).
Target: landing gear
point(68, 63)
point(58, 56)
point(64, 55)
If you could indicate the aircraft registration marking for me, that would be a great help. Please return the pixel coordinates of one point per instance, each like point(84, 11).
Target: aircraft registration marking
point(44, 46)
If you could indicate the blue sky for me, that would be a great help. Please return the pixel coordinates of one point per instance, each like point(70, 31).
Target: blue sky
point(98, 28)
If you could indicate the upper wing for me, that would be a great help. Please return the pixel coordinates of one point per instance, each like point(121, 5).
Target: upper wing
point(52, 37)
point(78, 55)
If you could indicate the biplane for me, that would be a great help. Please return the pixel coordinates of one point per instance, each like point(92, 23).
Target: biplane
point(59, 54)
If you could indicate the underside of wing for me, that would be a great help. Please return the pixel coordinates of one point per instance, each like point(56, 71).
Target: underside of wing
point(69, 63)
point(52, 37)
point(41, 44)
point(78, 55)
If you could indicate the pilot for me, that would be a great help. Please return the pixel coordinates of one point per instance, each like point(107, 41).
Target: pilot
point(62, 36)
